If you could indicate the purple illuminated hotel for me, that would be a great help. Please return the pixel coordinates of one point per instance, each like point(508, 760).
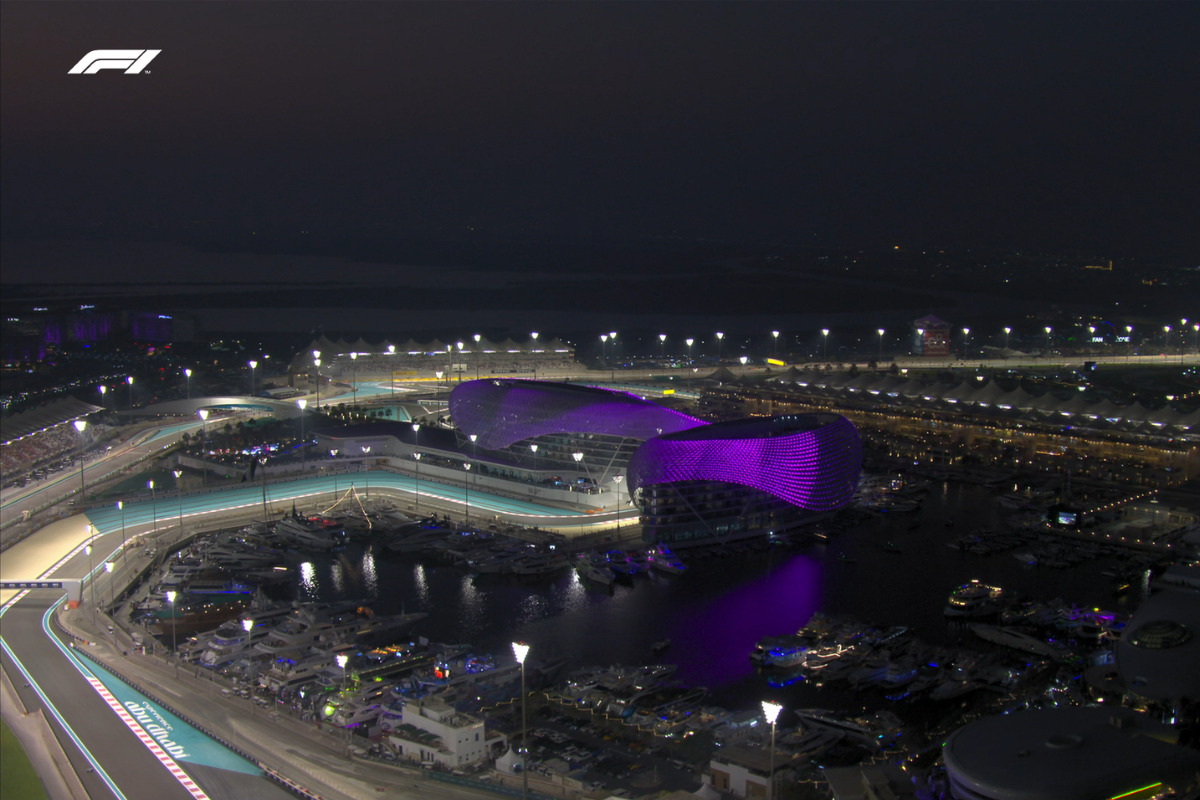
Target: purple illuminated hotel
point(693, 481)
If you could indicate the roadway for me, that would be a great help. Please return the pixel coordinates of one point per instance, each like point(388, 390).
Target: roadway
point(102, 747)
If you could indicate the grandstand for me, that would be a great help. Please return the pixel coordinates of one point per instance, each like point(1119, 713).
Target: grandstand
point(34, 437)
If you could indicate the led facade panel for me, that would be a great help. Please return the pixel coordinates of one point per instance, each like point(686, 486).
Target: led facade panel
point(502, 411)
point(811, 460)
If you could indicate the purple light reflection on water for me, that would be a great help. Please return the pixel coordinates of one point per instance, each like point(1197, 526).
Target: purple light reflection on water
point(713, 642)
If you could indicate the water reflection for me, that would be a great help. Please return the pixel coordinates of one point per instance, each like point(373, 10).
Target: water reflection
point(421, 585)
point(370, 580)
point(310, 588)
point(721, 631)
point(472, 615)
point(533, 607)
point(339, 577)
point(572, 597)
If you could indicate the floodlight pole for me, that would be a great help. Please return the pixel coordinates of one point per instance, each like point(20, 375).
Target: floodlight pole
point(124, 541)
point(617, 480)
point(771, 712)
point(467, 493)
point(91, 580)
point(174, 611)
point(179, 491)
point(153, 507)
point(521, 651)
point(81, 425)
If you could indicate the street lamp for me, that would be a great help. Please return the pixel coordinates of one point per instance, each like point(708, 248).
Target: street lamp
point(354, 380)
point(1128, 342)
point(247, 626)
point(81, 425)
point(121, 508)
point(771, 712)
point(187, 374)
point(604, 347)
point(253, 365)
point(1007, 331)
point(534, 352)
point(966, 339)
point(103, 400)
point(417, 484)
point(775, 343)
point(179, 491)
point(342, 658)
point(317, 362)
point(129, 380)
point(1166, 341)
point(534, 448)
point(171, 599)
point(87, 548)
point(478, 355)
point(662, 346)
point(720, 340)
point(617, 480)
point(521, 650)
point(880, 359)
point(153, 507)
point(108, 567)
point(1048, 330)
point(825, 339)
point(466, 493)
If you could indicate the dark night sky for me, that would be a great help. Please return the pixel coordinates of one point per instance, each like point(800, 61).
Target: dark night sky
point(1051, 125)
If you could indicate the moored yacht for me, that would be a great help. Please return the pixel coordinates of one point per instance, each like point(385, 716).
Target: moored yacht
point(973, 599)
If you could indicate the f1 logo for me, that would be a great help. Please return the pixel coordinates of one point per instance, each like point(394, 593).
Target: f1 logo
point(132, 61)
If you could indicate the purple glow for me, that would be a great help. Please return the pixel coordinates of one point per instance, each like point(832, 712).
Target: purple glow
point(501, 412)
point(811, 461)
point(722, 631)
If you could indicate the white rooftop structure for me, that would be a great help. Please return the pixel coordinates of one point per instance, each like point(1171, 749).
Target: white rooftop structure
point(1072, 753)
point(1158, 655)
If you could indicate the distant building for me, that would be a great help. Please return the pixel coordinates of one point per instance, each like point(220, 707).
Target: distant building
point(746, 771)
point(870, 782)
point(431, 731)
point(931, 337)
point(695, 482)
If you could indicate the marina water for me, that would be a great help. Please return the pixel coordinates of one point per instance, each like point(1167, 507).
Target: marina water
point(885, 571)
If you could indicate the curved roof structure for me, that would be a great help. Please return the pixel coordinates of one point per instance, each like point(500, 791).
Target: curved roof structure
point(809, 460)
point(1069, 753)
point(503, 411)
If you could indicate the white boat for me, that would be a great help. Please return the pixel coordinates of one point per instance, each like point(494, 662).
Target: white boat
point(298, 532)
point(540, 566)
point(1019, 640)
point(664, 561)
point(878, 730)
point(596, 573)
point(231, 639)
